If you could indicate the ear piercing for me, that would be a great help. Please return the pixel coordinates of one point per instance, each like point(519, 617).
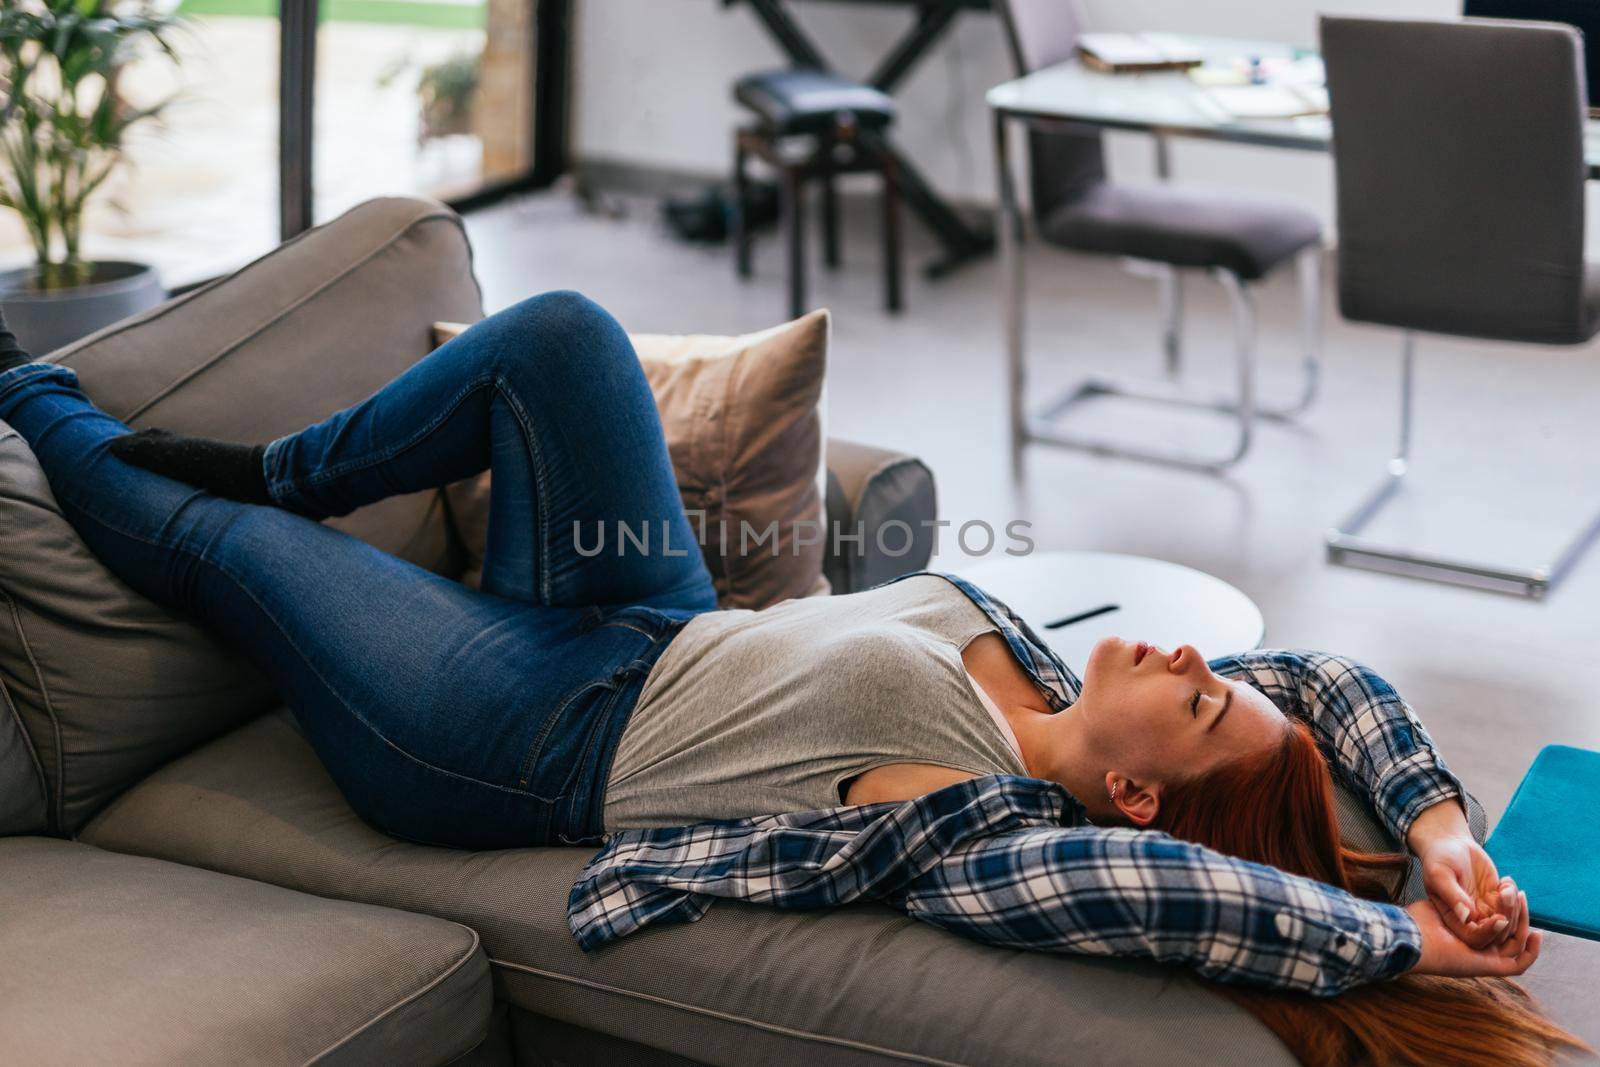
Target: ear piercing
point(1114, 792)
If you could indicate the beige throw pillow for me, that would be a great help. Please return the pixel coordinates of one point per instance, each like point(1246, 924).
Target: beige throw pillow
point(743, 418)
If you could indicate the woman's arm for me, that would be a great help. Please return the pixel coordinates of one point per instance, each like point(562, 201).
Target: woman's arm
point(1120, 892)
point(1376, 744)
point(1370, 735)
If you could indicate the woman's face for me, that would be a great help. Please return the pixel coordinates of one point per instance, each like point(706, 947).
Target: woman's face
point(1156, 716)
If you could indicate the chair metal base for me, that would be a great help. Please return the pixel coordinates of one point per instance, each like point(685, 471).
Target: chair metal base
point(1346, 546)
point(1042, 427)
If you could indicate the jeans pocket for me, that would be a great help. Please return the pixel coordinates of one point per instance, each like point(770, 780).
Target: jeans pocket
point(554, 760)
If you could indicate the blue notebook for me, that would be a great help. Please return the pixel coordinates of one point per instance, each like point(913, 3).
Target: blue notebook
point(1549, 840)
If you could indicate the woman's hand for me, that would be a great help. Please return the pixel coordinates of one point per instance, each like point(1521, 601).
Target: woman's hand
point(1443, 953)
point(1474, 902)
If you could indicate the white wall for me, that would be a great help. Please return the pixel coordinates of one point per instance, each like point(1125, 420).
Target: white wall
point(652, 83)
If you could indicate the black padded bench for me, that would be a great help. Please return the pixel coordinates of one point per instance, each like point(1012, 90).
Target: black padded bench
point(807, 125)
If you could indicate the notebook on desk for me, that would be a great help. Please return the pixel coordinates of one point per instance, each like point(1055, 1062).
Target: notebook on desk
point(1122, 53)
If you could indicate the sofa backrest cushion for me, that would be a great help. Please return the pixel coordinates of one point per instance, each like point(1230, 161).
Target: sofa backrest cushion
point(107, 685)
point(744, 420)
point(317, 324)
point(22, 788)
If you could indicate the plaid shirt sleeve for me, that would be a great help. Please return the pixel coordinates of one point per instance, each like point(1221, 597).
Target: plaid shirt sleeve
point(1122, 892)
point(1369, 734)
point(1006, 860)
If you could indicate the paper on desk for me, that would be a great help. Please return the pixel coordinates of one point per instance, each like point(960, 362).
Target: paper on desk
point(1268, 101)
point(1299, 72)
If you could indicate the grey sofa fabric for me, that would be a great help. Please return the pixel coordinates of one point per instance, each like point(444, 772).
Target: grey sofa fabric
point(315, 325)
point(107, 685)
point(872, 490)
point(745, 985)
point(22, 788)
point(117, 959)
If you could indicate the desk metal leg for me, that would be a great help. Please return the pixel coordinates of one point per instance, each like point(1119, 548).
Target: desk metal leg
point(1008, 222)
point(1171, 283)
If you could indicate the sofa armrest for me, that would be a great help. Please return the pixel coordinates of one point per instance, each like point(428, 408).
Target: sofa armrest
point(881, 505)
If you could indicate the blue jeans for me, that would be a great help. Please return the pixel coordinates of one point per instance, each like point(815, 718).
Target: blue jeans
point(446, 715)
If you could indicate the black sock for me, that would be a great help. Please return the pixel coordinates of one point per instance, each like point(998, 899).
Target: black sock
point(221, 467)
point(12, 354)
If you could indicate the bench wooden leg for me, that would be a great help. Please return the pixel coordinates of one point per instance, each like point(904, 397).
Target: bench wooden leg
point(741, 207)
point(794, 222)
point(830, 203)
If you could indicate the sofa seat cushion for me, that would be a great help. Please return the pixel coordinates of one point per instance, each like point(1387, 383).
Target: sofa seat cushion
point(118, 959)
point(746, 984)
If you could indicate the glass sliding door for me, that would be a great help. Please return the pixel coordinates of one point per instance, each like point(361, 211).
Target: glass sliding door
point(420, 96)
point(385, 97)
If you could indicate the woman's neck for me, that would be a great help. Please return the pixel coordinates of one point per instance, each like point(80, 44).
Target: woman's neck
point(1056, 746)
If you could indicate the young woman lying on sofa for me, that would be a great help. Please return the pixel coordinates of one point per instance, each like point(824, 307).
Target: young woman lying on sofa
point(580, 693)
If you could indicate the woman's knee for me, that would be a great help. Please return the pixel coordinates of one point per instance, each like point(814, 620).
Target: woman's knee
point(560, 332)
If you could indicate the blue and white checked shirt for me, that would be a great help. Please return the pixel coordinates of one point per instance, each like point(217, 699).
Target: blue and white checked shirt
point(1014, 862)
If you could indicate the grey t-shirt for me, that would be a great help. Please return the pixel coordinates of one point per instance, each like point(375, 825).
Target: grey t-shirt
point(757, 712)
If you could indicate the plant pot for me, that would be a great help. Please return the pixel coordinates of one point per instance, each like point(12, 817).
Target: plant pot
point(47, 319)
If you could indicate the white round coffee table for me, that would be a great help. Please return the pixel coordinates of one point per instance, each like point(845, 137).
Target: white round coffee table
point(1073, 599)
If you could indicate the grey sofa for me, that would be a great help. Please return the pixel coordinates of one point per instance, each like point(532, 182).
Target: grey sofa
point(229, 907)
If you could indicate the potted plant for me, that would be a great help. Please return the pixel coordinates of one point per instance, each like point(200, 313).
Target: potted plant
point(62, 129)
point(445, 93)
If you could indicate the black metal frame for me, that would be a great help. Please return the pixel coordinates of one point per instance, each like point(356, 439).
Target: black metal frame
point(962, 243)
point(297, 72)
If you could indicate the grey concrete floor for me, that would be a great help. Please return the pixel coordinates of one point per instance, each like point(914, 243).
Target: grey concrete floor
point(1504, 467)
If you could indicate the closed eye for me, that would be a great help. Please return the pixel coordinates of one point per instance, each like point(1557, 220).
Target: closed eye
point(1194, 705)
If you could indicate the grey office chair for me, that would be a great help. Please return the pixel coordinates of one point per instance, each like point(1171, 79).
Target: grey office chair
point(1460, 172)
point(1168, 228)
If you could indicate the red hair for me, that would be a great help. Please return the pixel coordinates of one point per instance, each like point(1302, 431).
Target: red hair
point(1277, 807)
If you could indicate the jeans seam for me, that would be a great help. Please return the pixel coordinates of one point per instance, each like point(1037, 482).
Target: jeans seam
point(372, 459)
point(605, 713)
point(270, 617)
point(629, 626)
point(540, 483)
point(286, 487)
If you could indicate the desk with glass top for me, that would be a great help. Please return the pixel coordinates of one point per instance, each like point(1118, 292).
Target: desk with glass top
point(1170, 103)
point(1164, 104)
